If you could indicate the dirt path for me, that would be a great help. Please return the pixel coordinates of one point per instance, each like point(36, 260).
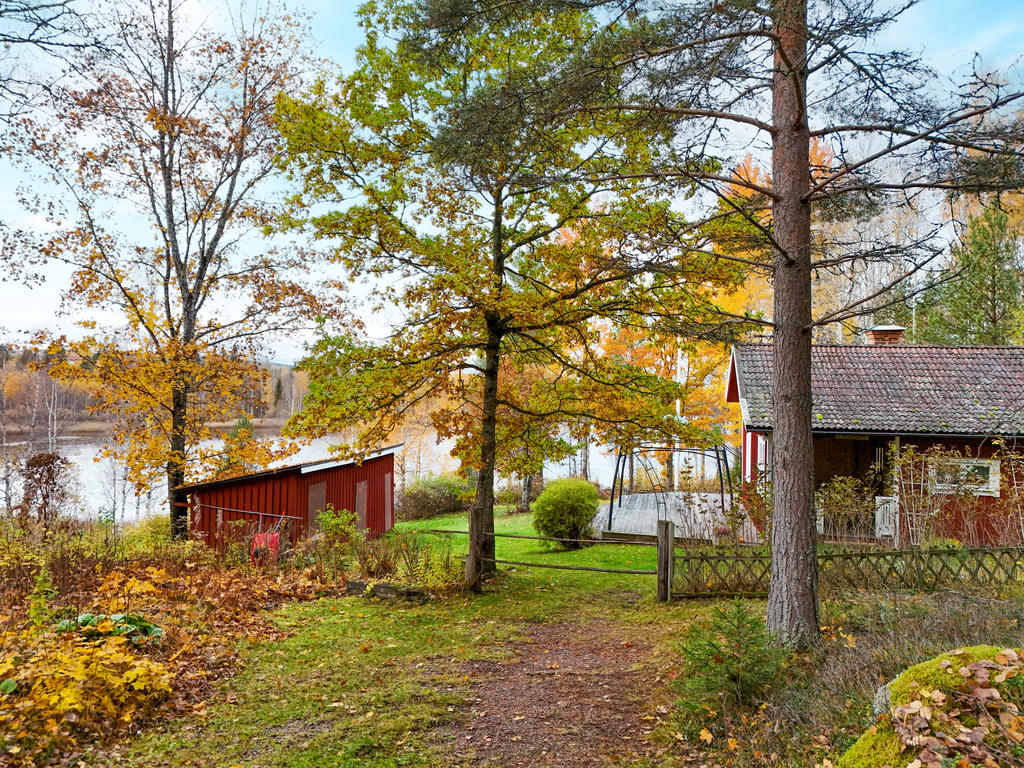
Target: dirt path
point(572, 697)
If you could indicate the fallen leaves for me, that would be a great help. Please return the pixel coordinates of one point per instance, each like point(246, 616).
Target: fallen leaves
point(974, 725)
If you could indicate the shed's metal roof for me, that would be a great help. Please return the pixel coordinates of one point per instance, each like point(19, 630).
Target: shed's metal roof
point(309, 466)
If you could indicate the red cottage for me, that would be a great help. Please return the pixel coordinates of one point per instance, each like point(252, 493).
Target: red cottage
point(868, 398)
point(289, 498)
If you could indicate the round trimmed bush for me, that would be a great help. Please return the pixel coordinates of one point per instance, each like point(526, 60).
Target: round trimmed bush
point(565, 510)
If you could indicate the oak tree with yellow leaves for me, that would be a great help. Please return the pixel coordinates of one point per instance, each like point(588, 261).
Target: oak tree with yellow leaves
point(466, 245)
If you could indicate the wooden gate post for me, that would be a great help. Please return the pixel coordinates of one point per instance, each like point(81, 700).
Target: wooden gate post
point(666, 552)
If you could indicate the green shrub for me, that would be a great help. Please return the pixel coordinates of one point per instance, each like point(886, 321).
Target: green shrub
point(147, 535)
point(565, 510)
point(39, 610)
point(729, 662)
point(508, 496)
point(331, 553)
point(339, 526)
point(434, 496)
point(847, 507)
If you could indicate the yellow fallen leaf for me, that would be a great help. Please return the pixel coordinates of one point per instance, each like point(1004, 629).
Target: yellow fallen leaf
point(705, 736)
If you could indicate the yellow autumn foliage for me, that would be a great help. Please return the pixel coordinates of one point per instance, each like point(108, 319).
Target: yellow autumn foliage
point(56, 689)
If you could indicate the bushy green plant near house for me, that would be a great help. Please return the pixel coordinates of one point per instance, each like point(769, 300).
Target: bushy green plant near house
point(340, 537)
point(434, 496)
point(338, 525)
point(507, 496)
point(847, 506)
point(565, 510)
point(728, 662)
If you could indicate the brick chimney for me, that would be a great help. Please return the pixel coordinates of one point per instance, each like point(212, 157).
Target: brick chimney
point(885, 335)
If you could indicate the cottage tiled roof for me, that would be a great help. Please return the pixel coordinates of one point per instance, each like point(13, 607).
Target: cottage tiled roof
point(896, 389)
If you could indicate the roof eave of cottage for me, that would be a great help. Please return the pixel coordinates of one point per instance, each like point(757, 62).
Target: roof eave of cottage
point(733, 388)
point(763, 427)
point(304, 468)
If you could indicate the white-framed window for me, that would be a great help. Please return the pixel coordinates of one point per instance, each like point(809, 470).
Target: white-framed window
point(977, 476)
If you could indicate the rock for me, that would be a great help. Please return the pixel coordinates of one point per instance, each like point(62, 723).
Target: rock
point(881, 703)
point(385, 590)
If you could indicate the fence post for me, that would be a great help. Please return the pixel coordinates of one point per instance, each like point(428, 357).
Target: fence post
point(666, 551)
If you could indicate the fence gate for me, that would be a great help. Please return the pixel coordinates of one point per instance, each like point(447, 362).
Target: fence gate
point(886, 510)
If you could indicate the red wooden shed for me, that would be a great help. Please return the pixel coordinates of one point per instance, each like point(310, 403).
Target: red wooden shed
point(290, 498)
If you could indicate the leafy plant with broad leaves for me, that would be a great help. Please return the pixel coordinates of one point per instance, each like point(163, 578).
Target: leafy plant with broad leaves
point(98, 625)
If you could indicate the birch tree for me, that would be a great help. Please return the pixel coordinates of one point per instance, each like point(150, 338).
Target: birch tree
point(154, 178)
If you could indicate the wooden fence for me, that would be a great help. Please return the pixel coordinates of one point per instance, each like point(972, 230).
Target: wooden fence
point(689, 574)
point(706, 574)
point(558, 540)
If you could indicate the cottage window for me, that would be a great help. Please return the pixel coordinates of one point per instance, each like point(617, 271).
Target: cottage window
point(975, 476)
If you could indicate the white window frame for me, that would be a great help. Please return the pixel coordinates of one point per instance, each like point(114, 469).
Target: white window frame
point(989, 489)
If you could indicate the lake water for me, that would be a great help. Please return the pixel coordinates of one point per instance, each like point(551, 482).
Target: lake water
point(101, 487)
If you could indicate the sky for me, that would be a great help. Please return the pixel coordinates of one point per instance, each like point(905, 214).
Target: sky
point(946, 32)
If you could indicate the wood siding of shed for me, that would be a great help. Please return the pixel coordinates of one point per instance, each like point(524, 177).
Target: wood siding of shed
point(287, 493)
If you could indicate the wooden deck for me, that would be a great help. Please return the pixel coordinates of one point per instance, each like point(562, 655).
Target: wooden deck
point(696, 515)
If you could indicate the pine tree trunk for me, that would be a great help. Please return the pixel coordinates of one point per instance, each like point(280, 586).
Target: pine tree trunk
point(792, 613)
point(176, 463)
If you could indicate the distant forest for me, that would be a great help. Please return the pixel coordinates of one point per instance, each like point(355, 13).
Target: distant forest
point(36, 409)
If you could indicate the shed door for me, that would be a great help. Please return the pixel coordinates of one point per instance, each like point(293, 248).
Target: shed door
point(316, 502)
point(389, 502)
point(361, 503)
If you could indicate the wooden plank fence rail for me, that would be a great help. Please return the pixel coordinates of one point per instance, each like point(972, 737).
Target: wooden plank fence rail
point(588, 542)
point(558, 567)
point(706, 574)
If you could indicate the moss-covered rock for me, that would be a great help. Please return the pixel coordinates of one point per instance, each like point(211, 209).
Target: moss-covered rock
point(931, 685)
point(879, 746)
point(935, 674)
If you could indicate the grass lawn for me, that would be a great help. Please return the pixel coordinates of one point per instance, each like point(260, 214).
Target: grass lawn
point(545, 668)
point(364, 682)
point(618, 556)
